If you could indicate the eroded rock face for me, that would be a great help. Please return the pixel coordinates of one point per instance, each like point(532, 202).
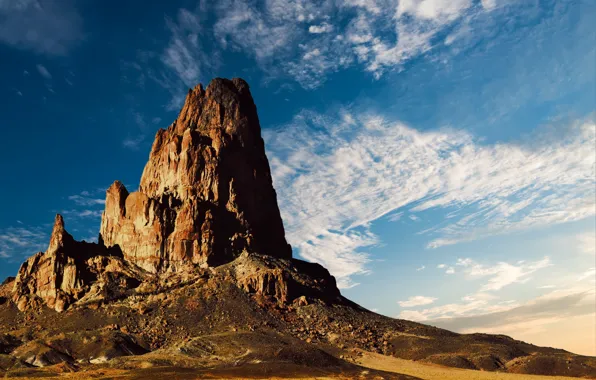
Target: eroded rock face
point(69, 270)
point(206, 194)
point(56, 277)
point(205, 199)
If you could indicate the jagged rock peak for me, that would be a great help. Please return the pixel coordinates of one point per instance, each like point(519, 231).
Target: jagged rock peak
point(57, 276)
point(59, 238)
point(205, 198)
point(206, 193)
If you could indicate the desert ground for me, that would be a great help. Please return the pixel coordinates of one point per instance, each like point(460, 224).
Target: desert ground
point(374, 366)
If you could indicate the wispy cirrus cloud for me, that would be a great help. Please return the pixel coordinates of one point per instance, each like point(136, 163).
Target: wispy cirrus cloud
point(88, 204)
point(478, 303)
point(337, 174)
point(22, 240)
point(502, 274)
point(85, 210)
point(308, 40)
point(133, 142)
point(85, 198)
point(417, 301)
point(44, 26)
point(84, 213)
point(184, 58)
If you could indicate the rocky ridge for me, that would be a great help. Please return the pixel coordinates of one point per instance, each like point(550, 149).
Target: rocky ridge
point(192, 274)
point(205, 198)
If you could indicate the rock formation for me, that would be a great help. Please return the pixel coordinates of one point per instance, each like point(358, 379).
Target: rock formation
point(57, 276)
point(206, 194)
point(206, 197)
point(192, 273)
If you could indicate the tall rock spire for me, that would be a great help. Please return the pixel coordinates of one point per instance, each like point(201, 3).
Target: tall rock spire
point(206, 197)
point(206, 194)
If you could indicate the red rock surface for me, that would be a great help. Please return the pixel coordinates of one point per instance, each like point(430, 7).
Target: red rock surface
point(206, 194)
point(205, 198)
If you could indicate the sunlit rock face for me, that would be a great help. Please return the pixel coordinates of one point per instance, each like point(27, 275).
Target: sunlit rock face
point(205, 199)
point(58, 276)
point(206, 193)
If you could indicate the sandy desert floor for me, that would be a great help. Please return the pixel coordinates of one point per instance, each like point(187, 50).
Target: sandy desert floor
point(393, 368)
point(431, 371)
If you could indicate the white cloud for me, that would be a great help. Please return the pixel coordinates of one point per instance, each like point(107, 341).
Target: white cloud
point(589, 274)
point(262, 34)
point(435, 10)
point(318, 29)
point(44, 26)
point(450, 270)
point(507, 318)
point(372, 6)
point(183, 51)
point(44, 72)
point(547, 287)
point(90, 239)
point(441, 266)
point(339, 253)
point(489, 4)
point(420, 268)
point(417, 301)
point(22, 240)
point(395, 216)
point(82, 213)
point(377, 35)
point(184, 57)
point(559, 313)
point(86, 200)
point(335, 175)
point(502, 274)
point(452, 310)
point(133, 143)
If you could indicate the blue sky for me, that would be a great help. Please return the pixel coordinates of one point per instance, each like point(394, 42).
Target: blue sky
point(437, 156)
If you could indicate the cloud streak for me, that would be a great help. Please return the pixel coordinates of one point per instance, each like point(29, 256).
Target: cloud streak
point(22, 240)
point(417, 301)
point(502, 274)
point(308, 40)
point(532, 316)
point(337, 174)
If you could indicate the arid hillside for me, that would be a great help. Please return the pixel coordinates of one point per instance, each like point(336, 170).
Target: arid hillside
point(192, 277)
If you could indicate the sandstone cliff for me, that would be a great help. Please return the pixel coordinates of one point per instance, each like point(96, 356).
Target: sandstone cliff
point(206, 194)
point(205, 198)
